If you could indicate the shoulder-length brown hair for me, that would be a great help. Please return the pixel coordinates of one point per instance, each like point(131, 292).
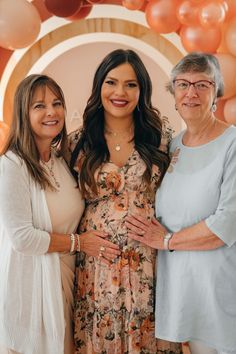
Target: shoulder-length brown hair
point(21, 139)
point(147, 123)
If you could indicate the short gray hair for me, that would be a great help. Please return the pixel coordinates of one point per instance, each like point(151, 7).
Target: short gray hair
point(202, 63)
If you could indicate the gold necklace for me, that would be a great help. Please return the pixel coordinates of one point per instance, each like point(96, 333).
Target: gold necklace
point(116, 134)
point(50, 171)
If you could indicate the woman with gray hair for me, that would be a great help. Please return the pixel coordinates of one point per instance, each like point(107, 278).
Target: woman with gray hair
point(195, 210)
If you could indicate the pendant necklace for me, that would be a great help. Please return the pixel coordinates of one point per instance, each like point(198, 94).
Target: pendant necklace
point(50, 171)
point(115, 134)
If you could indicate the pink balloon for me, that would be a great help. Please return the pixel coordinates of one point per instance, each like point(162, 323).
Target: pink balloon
point(19, 24)
point(230, 37)
point(187, 13)
point(211, 14)
point(133, 4)
point(198, 39)
point(228, 68)
point(63, 8)
point(230, 110)
point(161, 16)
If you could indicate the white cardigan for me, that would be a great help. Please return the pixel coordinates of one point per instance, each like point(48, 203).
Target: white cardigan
point(31, 304)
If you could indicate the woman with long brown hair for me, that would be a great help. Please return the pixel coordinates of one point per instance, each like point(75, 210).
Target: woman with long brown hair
point(120, 164)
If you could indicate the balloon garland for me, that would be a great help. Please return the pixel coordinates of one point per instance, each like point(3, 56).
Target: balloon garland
point(203, 25)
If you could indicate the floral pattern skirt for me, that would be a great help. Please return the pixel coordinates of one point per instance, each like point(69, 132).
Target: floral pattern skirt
point(114, 306)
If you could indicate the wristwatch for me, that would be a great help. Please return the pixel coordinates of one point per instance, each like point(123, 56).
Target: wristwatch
point(167, 238)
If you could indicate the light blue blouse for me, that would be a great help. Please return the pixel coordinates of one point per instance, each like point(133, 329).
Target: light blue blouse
point(196, 290)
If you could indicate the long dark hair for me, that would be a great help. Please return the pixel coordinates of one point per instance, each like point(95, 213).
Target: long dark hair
point(147, 123)
point(21, 139)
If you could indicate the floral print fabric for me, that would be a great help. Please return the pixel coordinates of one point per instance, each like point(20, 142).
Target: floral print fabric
point(114, 305)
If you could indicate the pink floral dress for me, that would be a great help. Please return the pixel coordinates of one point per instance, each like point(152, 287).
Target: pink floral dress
point(114, 305)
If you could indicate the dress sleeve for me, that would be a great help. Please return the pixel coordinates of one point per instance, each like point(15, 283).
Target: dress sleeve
point(16, 217)
point(73, 139)
point(167, 135)
point(223, 222)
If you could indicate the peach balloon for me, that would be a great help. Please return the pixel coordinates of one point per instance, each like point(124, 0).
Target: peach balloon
point(4, 131)
point(161, 16)
point(187, 13)
point(230, 110)
point(19, 23)
point(211, 14)
point(133, 4)
point(196, 38)
point(230, 37)
point(228, 68)
point(219, 113)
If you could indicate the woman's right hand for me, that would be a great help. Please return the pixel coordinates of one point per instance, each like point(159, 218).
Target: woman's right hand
point(93, 243)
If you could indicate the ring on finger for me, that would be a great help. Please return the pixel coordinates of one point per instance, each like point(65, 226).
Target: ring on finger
point(102, 248)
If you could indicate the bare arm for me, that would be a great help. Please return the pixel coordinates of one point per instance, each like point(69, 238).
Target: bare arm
point(196, 237)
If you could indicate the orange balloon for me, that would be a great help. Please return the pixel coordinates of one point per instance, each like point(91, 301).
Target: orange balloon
point(211, 14)
point(197, 1)
point(187, 13)
point(230, 8)
point(133, 4)
point(4, 131)
point(223, 47)
point(196, 38)
point(161, 16)
point(230, 37)
point(228, 68)
point(219, 113)
point(230, 110)
point(19, 23)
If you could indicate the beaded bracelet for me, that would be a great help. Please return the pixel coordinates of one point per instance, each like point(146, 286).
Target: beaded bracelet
point(73, 244)
point(78, 243)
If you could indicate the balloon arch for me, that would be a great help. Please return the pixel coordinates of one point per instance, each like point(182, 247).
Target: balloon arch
point(202, 25)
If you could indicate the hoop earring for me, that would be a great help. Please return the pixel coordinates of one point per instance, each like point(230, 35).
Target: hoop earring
point(213, 107)
point(138, 109)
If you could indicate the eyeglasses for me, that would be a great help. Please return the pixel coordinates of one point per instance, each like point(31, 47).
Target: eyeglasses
point(184, 85)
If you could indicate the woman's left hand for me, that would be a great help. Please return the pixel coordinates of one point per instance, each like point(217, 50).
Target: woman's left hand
point(151, 233)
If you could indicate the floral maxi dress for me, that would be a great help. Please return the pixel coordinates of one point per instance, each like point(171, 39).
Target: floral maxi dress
point(114, 305)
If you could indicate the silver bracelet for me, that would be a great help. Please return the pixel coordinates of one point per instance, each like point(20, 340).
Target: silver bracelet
point(167, 239)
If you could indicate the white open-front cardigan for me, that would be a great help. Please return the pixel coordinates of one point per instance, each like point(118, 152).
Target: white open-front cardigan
point(31, 304)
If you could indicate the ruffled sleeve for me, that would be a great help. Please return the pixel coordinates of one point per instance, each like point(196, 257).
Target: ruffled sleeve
point(167, 135)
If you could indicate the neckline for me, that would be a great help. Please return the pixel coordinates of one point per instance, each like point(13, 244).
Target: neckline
point(206, 144)
point(126, 163)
